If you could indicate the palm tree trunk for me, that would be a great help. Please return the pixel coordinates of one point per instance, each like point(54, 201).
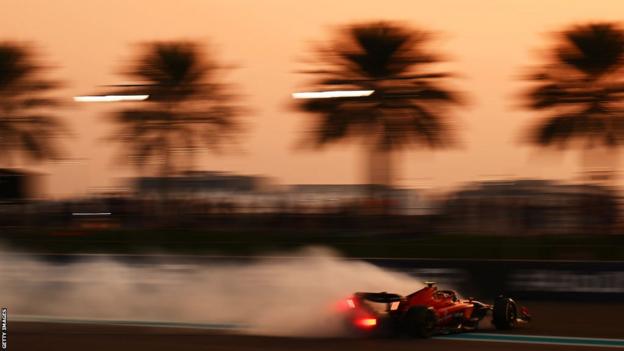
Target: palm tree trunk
point(379, 173)
point(166, 172)
point(379, 170)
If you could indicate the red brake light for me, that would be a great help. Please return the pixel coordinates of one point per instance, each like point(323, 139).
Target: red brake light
point(366, 322)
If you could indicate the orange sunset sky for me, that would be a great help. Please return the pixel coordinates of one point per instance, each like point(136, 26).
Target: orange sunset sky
point(488, 42)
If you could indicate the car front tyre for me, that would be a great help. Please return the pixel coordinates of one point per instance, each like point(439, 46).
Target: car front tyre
point(504, 313)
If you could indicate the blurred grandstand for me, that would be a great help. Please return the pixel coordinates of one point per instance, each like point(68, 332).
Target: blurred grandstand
point(217, 200)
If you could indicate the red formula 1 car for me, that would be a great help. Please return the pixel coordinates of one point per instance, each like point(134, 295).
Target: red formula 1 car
point(427, 311)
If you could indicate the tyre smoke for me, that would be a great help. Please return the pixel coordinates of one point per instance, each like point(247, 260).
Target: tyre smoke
point(292, 296)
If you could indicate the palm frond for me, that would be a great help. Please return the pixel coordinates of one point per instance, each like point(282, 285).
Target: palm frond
point(392, 60)
point(185, 100)
point(26, 128)
point(581, 87)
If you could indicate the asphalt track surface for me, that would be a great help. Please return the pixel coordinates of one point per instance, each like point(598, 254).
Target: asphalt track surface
point(566, 319)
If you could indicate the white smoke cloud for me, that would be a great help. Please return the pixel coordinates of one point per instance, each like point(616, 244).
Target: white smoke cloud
point(269, 296)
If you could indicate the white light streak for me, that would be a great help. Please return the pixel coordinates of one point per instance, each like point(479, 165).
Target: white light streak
point(110, 98)
point(332, 94)
point(91, 214)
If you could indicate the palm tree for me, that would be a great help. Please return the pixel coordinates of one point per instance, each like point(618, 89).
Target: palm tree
point(187, 108)
point(409, 101)
point(27, 127)
point(581, 88)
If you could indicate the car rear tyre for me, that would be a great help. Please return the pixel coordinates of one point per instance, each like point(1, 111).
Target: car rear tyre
point(420, 322)
point(504, 313)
